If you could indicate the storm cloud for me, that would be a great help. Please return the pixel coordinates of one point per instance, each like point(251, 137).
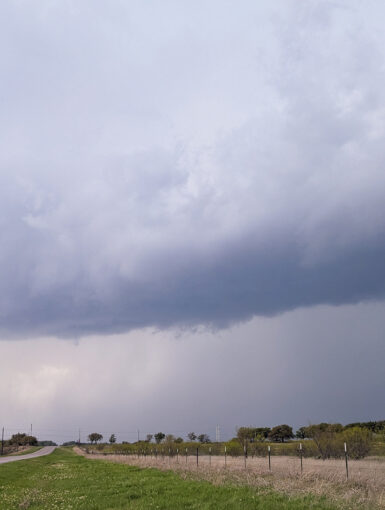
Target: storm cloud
point(177, 163)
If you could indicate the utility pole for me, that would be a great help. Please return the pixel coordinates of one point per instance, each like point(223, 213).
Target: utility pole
point(2, 441)
point(79, 437)
point(31, 429)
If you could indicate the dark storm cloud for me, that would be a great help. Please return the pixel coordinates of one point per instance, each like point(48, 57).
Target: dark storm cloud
point(160, 167)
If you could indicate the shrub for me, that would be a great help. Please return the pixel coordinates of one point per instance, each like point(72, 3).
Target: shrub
point(358, 441)
point(329, 443)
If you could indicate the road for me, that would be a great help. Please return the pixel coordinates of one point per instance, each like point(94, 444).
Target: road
point(44, 451)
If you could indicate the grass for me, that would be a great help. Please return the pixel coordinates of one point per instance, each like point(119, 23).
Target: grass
point(64, 480)
point(364, 490)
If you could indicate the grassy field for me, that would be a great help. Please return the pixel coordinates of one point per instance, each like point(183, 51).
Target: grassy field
point(364, 489)
point(64, 480)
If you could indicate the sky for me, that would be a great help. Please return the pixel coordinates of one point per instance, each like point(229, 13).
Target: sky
point(192, 215)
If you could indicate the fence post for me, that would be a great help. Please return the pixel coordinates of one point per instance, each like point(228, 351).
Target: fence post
point(210, 455)
point(300, 454)
point(197, 455)
point(245, 454)
point(177, 455)
point(186, 456)
point(269, 450)
point(346, 461)
point(225, 456)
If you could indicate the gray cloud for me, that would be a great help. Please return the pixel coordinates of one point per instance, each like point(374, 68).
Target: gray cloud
point(164, 165)
point(305, 366)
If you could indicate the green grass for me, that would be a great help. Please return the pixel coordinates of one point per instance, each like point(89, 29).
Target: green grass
point(64, 480)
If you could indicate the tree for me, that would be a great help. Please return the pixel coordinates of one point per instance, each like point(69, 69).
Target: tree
point(23, 440)
point(251, 434)
point(112, 439)
point(169, 439)
point(244, 435)
point(358, 440)
point(159, 436)
point(192, 436)
point(179, 440)
point(203, 438)
point(327, 438)
point(149, 438)
point(280, 433)
point(301, 433)
point(94, 437)
point(261, 433)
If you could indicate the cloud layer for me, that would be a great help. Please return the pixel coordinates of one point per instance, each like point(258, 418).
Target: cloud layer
point(305, 366)
point(180, 164)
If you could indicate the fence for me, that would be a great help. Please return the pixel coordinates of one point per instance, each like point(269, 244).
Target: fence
point(216, 456)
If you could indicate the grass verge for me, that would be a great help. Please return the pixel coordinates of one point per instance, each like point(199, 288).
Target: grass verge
point(64, 480)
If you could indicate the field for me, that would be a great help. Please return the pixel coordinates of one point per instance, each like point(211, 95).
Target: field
point(324, 479)
point(64, 480)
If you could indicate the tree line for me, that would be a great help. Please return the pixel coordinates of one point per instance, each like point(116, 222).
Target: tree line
point(323, 440)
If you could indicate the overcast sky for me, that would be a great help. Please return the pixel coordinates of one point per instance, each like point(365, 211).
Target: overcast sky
point(192, 225)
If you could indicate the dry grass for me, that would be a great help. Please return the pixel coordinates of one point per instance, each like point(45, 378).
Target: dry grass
point(365, 488)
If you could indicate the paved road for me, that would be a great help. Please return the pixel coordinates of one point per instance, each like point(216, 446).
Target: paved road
point(43, 451)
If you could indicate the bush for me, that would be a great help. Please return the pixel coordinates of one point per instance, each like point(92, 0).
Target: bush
point(234, 448)
point(358, 441)
point(259, 449)
point(329, 443)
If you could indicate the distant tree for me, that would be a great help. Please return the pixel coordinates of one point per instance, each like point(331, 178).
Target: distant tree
point(170, 438)
point(159, 436)
point(301, 433)
point(95, 437)
point(280, 433)
point(31, 440)
point(179, 440)
point(192, 436)
point(261, 433)
point(203, 438)
point(21, 439)
point(112, 439)
point(251, 434)
point(149, 438)
point(244, 435)
point(18, 439)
